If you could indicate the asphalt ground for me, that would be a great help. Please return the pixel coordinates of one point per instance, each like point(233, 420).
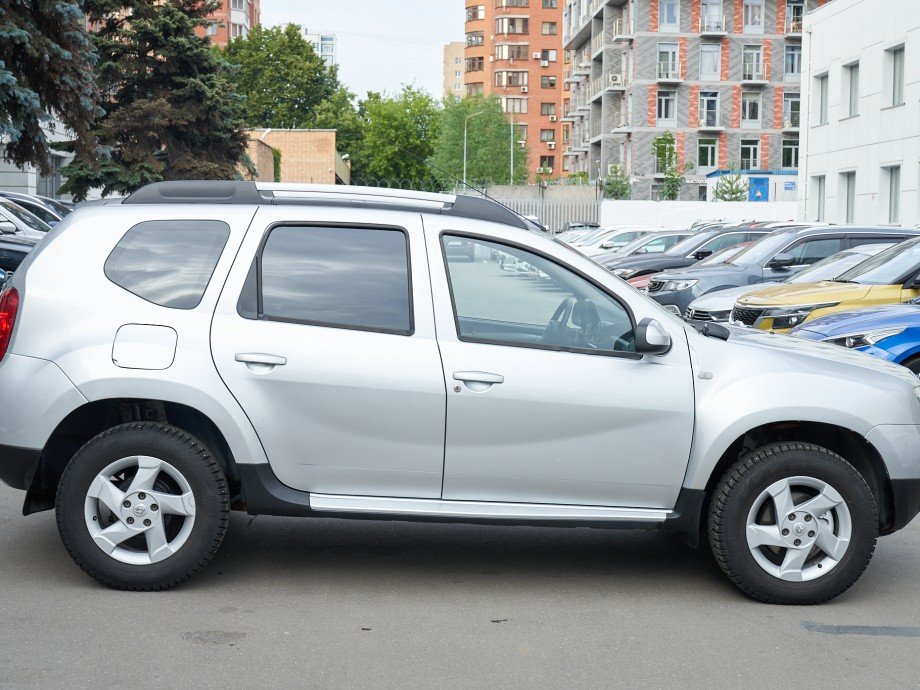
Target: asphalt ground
point(355, 604)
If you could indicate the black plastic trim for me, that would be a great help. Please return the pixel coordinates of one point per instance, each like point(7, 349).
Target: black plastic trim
point(479, 208)
point(687, 515)
point(18, 466)
point(198, 192)
point(905, 500)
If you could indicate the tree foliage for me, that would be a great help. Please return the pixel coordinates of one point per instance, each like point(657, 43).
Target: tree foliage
point(489, 141)
point(665, 152)
point(46, 69)
point(170, 113)
point(731, 187)
point(399, 136)
point(617, 186)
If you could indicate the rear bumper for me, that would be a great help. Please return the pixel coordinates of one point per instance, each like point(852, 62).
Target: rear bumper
point(905, 499)
point(18, 466)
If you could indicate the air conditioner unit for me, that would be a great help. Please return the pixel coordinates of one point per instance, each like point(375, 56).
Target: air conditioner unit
point(552, 118)
point(551, 145)
point(536, 56)
point(616, 79)
point(544, 63)
point(524, 89)
point(539, 171)
point(547, 171)
point(491, 58)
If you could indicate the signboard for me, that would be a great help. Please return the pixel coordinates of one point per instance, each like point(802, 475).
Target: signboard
point(789, 186)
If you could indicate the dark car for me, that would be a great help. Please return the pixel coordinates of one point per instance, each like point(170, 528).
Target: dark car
point(38, 206)
point(773, 258)
point(698, 246)
point(459, 247)
point(12, 251)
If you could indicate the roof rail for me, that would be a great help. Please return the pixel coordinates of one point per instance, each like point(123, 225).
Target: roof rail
point(260, 193)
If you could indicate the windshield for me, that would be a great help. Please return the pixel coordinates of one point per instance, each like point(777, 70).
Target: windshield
point(62, 209)
point(691, 243)
point(27, 219)
point(595, 235)
point(723, 255)
point(762, 250)
point(620, 241)
point(831, 267)
point(887, 268)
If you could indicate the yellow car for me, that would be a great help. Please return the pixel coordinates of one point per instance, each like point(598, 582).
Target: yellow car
point(888, 277)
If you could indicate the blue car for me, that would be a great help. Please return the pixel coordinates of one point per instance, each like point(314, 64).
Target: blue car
point(891, 332)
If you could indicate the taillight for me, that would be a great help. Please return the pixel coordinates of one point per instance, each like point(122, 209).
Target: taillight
point(9, 305)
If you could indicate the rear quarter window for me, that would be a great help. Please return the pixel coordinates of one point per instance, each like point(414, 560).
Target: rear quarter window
point(169, 263)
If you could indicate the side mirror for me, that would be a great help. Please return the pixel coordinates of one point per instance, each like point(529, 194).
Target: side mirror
point(652, 338)
point(609, 244)
point(7, 228)
point(781, 260)
point(702, 254)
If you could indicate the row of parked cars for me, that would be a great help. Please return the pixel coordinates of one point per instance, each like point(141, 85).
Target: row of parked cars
point(857, 287)
point(24, 220)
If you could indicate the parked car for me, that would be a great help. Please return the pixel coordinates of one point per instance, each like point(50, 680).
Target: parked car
point(776, 257)
point(15, 220)
point(615, 241)
point(461, 248)
point(890, 332)
point(653, 243)
point(702, 245)
point(888, 277)
point(571, 229)
point(721, 256)
point(717, 306)
point(13, 250)
point(278, 358)
point(38, 206)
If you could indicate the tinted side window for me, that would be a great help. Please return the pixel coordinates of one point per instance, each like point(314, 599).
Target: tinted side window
point(860, 240)
point(723, 241)
point(336, 276)
point(168, 262)
point(810, 251)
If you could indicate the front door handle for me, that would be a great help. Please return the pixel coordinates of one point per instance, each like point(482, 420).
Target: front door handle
point(478, 377)
point(260, 358)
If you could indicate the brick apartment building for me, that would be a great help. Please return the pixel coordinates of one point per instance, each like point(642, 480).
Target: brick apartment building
point(724, 76)
point(514, 50)
point(234, 18)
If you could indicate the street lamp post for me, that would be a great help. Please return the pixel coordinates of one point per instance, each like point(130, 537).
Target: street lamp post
point(464, 143)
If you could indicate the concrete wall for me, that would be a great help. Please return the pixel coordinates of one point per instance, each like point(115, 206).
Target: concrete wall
point(681, 214)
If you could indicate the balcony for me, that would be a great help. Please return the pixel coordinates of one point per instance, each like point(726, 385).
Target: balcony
point(597, 44)
point(595, 128)
point(616, 81)
point(750, 164)
point(711, 121)
point(794, 27)
point(623, 31)
point(713, 27)
point(791, 120)
point(669, 73)
point(753, 74)
point(621, 124)
point(597, 87)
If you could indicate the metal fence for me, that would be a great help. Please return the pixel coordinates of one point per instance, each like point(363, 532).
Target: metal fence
point(555, 214)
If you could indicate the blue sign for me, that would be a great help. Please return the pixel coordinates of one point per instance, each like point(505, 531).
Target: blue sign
point(789, 186)
point(758, 189)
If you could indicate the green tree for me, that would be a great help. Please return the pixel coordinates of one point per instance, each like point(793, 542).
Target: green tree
point(339, 112)
point(666, 159)
point(280, 77)
point(488, 146)
point(169, 112)
point(731, 187)
point(399, 137)
point(46, 69)
point(617, 186)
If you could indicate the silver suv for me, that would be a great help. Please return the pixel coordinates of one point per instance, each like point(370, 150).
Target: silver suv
point(348, 352)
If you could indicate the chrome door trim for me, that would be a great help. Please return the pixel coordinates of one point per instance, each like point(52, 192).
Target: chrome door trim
point(482, 509)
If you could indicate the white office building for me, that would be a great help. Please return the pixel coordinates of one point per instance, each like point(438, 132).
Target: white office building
point(860, 139)
point(324, 44)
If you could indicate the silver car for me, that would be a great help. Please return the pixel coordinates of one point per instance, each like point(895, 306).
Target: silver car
point(316, 351)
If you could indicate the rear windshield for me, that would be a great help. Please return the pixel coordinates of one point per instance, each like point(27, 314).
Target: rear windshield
point(888, 267)
point(168, 262)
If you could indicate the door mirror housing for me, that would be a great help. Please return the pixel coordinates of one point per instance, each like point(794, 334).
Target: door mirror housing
point(7, 228)
point(652, 338)
point(702, 254)
point(781, 260)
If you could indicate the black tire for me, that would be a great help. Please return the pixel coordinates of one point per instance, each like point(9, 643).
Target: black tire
point(913, 364)
point(744, 483)
point(188, 456)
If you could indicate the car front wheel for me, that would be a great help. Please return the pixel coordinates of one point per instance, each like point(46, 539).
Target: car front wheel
point(793, 523)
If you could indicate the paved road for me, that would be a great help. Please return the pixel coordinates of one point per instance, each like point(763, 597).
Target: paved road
point(339, 603)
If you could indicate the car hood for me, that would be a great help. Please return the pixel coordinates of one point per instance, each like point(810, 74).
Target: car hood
point(863, 320)
point(656, 262)
point(807, 293)
point(707, 272)
point(724, 300)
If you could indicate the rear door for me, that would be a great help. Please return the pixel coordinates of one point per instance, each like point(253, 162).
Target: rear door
point(324, 333)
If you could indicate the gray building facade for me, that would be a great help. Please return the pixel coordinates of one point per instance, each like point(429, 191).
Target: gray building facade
point(723, 76)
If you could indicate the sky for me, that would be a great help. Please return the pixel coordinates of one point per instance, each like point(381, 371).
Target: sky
point(381, 45)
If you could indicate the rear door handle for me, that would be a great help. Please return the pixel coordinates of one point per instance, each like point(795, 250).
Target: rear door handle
point(478, 377)
point(260, 358)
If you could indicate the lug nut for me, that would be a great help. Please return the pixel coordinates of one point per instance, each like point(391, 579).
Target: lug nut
point(154, 507)
point(127, 504)
point(785, 532)
point(808, 518)
point(792, 517)
point(146, 523)
point(811, 534)
point(130, 520)
point(797, 542)
point(142, 495)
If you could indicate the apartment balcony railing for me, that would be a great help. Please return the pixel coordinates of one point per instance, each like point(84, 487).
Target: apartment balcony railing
point(753, 72)
point(711, 120)
point(794, 26)
point(791, 119)
point(595, 127)
point(712, 25)
point(620, 122)
point(622, 31)
point(669, 71)
point(750, 164)
point(597, 43)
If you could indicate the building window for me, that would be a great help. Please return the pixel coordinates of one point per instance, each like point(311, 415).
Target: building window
point(668, 15)
point(547, 108)
point(548, 29)
point(474, 38)
point(511, 78)
point(894, 194)
point(750, 109)
point(818, 188)
point(512, 52)
point(750, 154)
point(792, 107)
point(707, 153)
point(550, 4)
point(666, 107)
point(547, 135)
point(753, 16)
point(511, 3)
point(791, 154)
point(474, 89)
point(548, 55)
point(795, 10)
point(514, 105)
point(821, 98)
point(475, 64)
point(238, 4)
point(547, 163)
point(848, 181)
point(668, 62)
point(710, 61)
point(210, 29)
point(548, 82)
point(896, 63)
point(709, 109)
point(237, 30)
point(512, 25)
point(851, 87)
point(711, 16)
point(475, 12)
point(793, 64)
point(752, 63)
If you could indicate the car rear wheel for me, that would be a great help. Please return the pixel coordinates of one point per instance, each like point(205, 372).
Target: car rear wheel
point(913, 364)
point(793, 523)
point(142, 506)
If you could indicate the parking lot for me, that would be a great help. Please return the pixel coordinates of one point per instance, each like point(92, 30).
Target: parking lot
point(348, 603)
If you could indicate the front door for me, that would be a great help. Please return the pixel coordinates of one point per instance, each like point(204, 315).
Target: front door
point(547, 400)
point(329, 347)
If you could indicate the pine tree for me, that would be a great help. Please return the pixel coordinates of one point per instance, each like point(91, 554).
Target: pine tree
point(170, 112)
point(46, 70)
point(617, 186)
point(731, 187)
